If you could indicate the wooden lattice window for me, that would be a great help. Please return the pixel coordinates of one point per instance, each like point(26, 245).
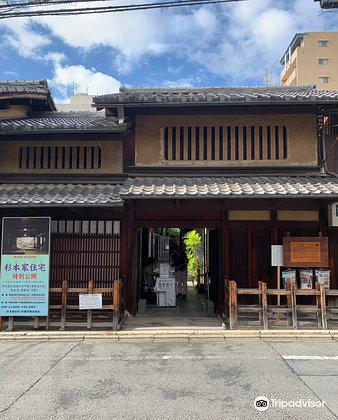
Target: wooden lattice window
point(85, 250)
point(64, 157)
point(221, 143)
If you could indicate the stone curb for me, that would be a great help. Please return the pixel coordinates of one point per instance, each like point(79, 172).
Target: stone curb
point(160, 335)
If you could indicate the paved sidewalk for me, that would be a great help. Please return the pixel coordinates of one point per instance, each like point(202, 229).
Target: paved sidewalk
point(170, 334)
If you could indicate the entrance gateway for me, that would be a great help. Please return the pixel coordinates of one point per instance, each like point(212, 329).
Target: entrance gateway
point(239, 250)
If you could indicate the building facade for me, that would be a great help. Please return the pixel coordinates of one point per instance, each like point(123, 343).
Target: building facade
point(311, 59)
point(247, 164)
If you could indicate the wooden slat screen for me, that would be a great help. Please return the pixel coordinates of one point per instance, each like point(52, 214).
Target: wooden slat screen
point(221, 143)
point(59, 157)
point(80, 257)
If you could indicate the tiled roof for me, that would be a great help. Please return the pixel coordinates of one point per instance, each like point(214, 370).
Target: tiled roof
point(24, 87)
point(51, 121)
point(230, 187)
point(41, 195)
point(219, 96)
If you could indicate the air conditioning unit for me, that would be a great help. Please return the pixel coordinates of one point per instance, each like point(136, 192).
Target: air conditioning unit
point(333, 214)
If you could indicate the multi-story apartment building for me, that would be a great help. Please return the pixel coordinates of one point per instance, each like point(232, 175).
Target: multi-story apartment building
point(311, 58)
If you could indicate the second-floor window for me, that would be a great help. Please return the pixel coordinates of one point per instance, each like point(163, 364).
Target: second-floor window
point(225, 143)
point(323, 43)
point(323, 61)
point(61, 157)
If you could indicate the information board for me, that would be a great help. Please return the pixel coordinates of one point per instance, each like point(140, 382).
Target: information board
point(25, 259)
point(306, 252)
point(277, 255)
point(90, 301)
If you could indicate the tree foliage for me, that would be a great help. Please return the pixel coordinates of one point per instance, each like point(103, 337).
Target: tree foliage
point(193, 243)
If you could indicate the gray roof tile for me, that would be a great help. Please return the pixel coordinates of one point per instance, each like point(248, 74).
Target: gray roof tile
point(230, 187)
point(24, 87)
point(219, 95)
point(41, 195)
point(51, 121)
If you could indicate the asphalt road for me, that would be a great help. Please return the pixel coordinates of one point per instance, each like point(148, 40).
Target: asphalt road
point(105, 379)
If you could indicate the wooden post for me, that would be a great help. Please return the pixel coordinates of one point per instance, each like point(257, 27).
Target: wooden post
point(264, 306)
point(10, 323)
point(226, 299)
point(233, 304)
point(318, 305)
point(289, 303)
point(47, 322)
point(278, 296)
point(89, 311)
point(63, 305)
point(323, 306)
point(117, 303)
point(1, 323)
point(294, 306)
point(260, 314)
point(36, 323)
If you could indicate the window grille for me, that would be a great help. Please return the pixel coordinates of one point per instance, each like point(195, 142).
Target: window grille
point(59, 157)
point(225, 143)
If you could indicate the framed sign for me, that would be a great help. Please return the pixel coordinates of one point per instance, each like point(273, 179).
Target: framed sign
point(277, 256)
point(306, 252)
point(24, 279)
point(90, 301)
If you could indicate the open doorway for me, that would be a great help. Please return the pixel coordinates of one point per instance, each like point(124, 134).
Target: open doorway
point(178, 274)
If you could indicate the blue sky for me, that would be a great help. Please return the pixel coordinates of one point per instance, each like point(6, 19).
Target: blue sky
point(229, 44)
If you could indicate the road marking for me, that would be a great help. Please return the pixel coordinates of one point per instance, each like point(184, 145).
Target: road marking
point(310, 357)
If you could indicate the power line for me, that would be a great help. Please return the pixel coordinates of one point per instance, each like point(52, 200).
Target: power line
point(15, 10)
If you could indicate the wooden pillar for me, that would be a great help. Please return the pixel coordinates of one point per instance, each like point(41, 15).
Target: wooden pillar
point(264, 306)
point(89, 311)
point(289, 303)
point(10, 323)
point(318, 305)
point(117, 297)
point(233, 305)
point(226, 300)
point(323, 306)
point(225, 261)
point(63, 305)
point(126, 256)
point(36, 323)
point(323, 218)
point(129, 147)
point(294, 306)
point(260, 303)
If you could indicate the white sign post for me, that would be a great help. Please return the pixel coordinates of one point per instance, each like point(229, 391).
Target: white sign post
point(90, 301)
point(277, 261)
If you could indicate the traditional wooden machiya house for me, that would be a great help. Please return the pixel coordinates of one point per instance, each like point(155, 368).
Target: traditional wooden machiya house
point(250, 165)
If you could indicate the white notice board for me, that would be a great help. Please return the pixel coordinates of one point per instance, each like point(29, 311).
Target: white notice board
point(277, 255)
point(90, 301)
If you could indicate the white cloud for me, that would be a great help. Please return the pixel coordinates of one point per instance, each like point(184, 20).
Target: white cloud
point(82, 80)
point(20, 36)
point(237, 42)
point(132, 33)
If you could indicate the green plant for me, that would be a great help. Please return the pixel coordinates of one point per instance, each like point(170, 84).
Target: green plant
point(173, 231)
point(193, 242)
